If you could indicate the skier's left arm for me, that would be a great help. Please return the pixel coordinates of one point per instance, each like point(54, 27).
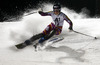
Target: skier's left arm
point(44, 13)
point(40, 11)
point(69, 21)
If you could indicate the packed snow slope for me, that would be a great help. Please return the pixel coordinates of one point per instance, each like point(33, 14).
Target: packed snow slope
point(75, 49)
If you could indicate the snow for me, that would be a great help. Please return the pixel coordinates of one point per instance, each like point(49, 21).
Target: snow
point(75, 49)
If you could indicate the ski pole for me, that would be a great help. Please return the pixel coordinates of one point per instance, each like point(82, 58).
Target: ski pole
point(40, 9)
point(84, 34)
point(30, 13)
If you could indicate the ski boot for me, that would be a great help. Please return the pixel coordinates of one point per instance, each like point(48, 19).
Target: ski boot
point(23, 45)
point(38, 45)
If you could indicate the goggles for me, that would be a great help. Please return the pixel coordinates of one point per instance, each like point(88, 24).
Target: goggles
point(56, 10)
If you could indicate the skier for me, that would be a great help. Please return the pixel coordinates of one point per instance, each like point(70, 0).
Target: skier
point(54, 28)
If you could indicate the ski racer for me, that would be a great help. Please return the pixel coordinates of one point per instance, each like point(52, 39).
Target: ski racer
point(54, 28)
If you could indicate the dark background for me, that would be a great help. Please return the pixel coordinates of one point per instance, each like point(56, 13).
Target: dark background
point(15, 8)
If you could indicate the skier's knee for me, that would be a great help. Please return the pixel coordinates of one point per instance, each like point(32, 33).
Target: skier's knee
point(27, 42)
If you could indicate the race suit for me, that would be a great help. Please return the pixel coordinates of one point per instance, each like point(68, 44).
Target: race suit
point(57, 22)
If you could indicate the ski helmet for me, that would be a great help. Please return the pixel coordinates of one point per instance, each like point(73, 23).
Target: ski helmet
point(57, 6)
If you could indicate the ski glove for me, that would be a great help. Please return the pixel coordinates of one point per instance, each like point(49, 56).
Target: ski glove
point(70, 28)
point(40, 12)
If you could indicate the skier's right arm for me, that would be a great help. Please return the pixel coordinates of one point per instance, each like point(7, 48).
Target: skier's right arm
point(44, 13)
point(69, 21)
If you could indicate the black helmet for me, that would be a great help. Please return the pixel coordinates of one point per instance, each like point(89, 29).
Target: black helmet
point(57, 6)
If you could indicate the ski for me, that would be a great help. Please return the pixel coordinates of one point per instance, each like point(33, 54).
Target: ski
point(47, 43)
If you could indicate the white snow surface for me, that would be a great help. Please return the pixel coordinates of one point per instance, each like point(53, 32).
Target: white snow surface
point(75, 49)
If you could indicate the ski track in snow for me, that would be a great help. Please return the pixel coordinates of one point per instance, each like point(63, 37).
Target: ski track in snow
point(75, 49)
